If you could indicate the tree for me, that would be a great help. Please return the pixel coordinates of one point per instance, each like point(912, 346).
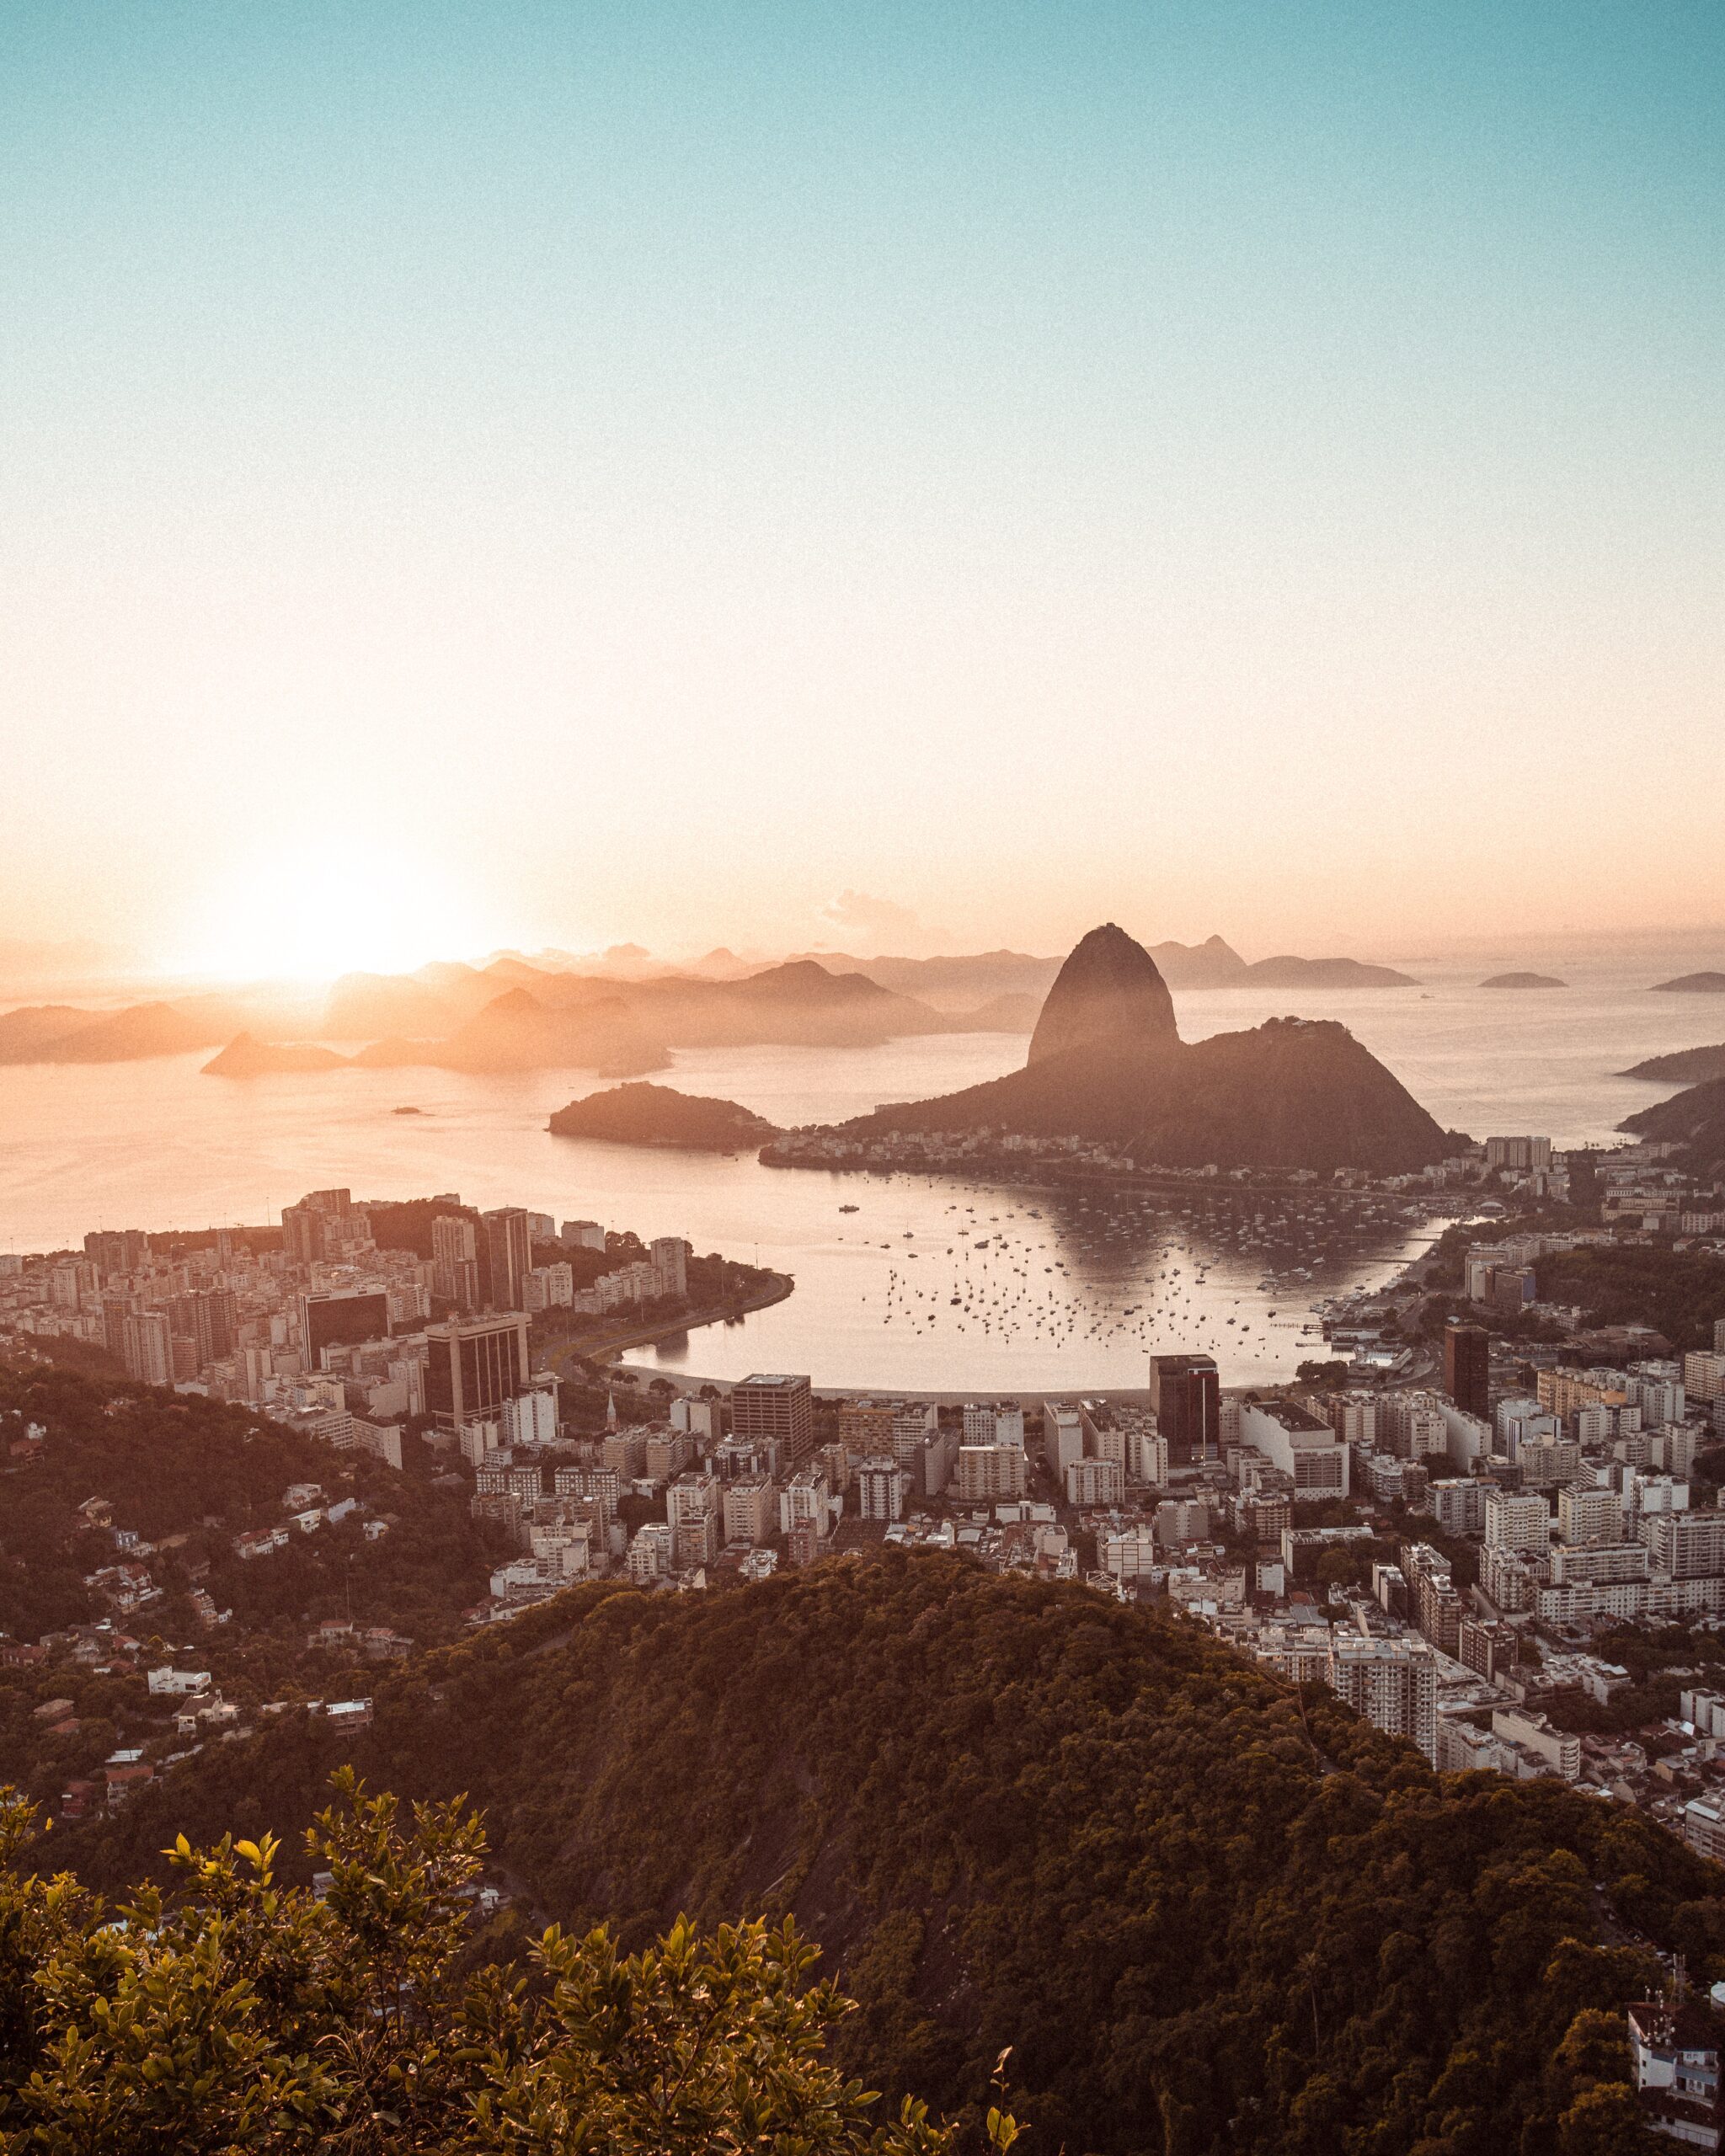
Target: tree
point(240, 2014)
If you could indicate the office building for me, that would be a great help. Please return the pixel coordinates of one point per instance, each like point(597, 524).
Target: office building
point(775, 1409)
point(473, 1365)
point(342, 1317)
point(1185, 1397)
point(1467, 1368)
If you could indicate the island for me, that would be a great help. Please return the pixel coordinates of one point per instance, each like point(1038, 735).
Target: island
point(247, 1057)
point(642, 1114)
point(1523, 980)
point(1692, 985)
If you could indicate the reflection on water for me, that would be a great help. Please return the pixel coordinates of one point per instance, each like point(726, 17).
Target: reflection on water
point(953, 1284)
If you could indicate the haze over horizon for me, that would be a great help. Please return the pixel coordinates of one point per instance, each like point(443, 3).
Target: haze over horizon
point(936, 479)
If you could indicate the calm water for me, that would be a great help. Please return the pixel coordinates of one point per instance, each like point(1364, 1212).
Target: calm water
point(1074, 1299)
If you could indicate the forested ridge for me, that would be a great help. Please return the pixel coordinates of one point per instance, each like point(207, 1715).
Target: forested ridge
point(1204, 1912)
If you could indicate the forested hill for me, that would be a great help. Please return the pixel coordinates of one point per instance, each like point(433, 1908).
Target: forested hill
point(1205, 1915)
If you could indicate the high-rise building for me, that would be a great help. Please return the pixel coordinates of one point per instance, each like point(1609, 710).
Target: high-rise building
point(309, 1228)
point(1517, 1523)
point(1467, 1367)
point(505, 1257)
point(1438, 1608)
point(1185, 1396)
point(986, 1473)
point(880, 1484)
point(1587, 1514)
point(1688, 1545)
point(1519, 1153)
point(804, 1502)
point(207, 1320)
point(148, 1348)
point(117, 1250)
point(765, 1406)
point(1062, 1437)
point(1392, 1683)
point(751, 1511)
point(473, 1365)
point(455, 1260)
point(668, 1257)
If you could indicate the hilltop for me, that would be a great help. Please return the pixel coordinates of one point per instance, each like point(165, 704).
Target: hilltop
point(1687, 1066)
point(1206, 1913)
point(659, 1115)
point(1694, 1120)
point(1107, 1063)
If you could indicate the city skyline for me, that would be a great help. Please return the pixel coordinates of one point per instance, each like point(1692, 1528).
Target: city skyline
point(932, 480)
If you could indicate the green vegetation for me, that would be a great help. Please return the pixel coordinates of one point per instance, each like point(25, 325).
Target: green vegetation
point(184, 1476)
point(1207, 1913)
point(1679, 1293)
point(236, 2013)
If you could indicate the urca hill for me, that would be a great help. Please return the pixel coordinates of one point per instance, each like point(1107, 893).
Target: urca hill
point(1107, 1062)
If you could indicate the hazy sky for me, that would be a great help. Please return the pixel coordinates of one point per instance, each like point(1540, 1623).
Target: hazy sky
point(508, 474)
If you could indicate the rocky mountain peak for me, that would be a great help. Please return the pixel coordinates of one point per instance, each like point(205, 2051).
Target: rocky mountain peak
point(1109, 997)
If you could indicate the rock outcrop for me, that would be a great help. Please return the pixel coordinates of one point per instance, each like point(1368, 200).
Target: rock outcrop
point(1109, 998)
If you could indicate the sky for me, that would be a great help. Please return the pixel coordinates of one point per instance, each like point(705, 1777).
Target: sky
point(902, 477)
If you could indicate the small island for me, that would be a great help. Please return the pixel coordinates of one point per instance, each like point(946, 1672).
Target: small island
point(247, 1057)
point(1692, 985)
point(642, 1114)
point(1523, 980)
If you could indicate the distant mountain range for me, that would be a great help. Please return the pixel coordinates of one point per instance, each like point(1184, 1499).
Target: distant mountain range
point(1107, 1063)
point(620, 1016)
point(1212, 963)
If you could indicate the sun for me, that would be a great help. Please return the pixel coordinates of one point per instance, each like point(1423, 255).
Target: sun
point(310, 913)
